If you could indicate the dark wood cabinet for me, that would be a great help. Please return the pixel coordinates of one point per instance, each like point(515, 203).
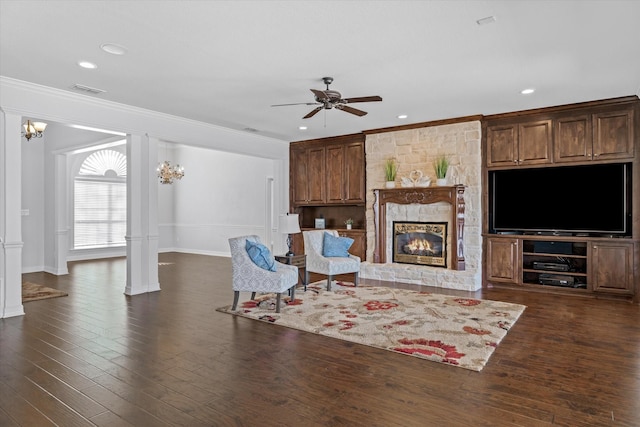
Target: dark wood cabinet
point(515, 144)
point(602, 266)
point(327, 178)
point(345, 173)
point(502, 259)
point(611, 267)
point(307, 175)
point(573, 139)
point(593, 132)
point(606, 135)
point(328, 172)
point(613, 135)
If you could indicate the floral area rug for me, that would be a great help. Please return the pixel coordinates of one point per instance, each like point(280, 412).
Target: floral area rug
point(35, 292)
point(457, 331)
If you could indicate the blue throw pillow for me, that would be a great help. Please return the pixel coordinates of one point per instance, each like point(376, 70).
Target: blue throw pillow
point(336, 246)
point(261, 255)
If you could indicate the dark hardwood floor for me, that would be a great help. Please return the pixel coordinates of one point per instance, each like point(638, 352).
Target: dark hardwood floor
point(98, 357)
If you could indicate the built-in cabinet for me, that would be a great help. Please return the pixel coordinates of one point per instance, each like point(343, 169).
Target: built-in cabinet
point(600, 131)
point(327, 172)
point(327, 179)
point(599, 265)
point(591, 133)
point(527, 143)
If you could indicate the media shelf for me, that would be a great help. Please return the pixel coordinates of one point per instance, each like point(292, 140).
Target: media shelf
point(597, 266)
point(555, 263)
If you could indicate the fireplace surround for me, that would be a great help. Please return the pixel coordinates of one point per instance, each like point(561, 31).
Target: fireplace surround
point(453, 195)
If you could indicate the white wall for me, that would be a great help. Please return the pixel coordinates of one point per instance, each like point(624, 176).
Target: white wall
point(222, 195)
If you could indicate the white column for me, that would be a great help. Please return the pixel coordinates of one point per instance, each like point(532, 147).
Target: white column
point(142, 223)
point(61, 215)
point(152, 214)
point(10, 219)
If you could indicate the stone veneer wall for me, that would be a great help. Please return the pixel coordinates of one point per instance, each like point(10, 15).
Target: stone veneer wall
point(416, 149)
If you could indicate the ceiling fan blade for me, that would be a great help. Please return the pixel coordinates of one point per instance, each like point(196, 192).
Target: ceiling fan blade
point(298, 103)
point(320, 95)
point(314, 112)
point(363, 99)
point(351, 110)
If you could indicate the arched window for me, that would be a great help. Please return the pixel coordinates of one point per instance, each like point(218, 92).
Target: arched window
point(100, 201)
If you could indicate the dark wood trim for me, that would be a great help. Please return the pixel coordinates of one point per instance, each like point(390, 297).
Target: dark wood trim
point(341, 139)
point(403, 196)
point(561, 108)
point(477, 117)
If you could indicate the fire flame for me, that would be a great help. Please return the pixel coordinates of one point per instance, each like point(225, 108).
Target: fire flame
point(418, 246)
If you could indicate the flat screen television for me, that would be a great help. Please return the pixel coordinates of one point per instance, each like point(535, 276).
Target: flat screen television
point(575, 200)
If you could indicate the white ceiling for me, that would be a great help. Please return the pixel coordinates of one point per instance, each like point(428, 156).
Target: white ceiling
point(227, 62)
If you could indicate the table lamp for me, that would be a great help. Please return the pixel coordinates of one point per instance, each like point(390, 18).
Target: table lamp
point(289, 226)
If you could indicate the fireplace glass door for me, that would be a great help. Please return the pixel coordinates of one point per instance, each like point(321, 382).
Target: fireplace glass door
point(420, 243)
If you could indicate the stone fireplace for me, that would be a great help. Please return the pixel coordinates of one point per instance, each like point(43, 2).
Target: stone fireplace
point(420, 243)
point(415, 149)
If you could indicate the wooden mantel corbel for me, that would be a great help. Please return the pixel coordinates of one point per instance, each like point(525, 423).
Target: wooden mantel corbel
point(427, 195)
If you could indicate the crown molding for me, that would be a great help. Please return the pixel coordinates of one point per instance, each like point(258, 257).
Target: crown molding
point(91, 102)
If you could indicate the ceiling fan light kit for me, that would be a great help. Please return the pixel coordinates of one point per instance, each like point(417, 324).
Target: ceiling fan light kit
point(328, 99)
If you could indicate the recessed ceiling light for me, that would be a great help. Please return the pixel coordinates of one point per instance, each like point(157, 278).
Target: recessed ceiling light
point(302, 128)
point(402, 116)
point(87, 65)
point(527, 91)
point(114, 49)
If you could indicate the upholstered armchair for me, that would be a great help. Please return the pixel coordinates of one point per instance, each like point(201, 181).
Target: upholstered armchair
point(249, 277)
point(330, 266)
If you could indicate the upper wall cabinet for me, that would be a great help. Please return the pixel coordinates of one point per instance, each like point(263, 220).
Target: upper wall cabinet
point(599, 136)
point(527, 143)
point(307, 175)
point(599, 131)
point(328, 172)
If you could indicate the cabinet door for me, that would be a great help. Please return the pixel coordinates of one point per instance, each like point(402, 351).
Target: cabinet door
point(354, 173)
point(502, 260)
point(534, 142)
point(299, 173)
point(316, 175)
point(335, 174)
point(613, 135)
point(359, 247)
point(572, 139)
point(502, 145)
point(611, 266)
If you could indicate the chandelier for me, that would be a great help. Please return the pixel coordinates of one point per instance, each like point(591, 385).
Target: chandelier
point(168, 173)
point(33, 130)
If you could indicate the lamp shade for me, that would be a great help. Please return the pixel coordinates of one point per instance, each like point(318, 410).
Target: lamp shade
point(289, 224)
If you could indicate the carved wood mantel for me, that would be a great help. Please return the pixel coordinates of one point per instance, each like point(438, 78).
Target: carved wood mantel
point(427, 195)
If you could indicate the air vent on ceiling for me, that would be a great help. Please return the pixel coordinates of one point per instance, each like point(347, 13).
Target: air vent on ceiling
point(83, 88)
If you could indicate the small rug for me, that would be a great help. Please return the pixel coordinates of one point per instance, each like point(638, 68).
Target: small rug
point(462, 332)
point(34, 292)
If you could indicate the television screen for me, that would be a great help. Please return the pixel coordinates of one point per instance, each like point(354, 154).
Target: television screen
point(592, 199)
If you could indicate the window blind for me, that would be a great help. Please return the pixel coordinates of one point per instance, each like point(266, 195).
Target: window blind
point(100, 213)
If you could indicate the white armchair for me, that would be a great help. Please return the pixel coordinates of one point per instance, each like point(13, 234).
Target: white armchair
point(248, 277)
point(331, 266)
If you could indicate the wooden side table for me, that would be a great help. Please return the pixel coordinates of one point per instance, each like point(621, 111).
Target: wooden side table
point(299, 261)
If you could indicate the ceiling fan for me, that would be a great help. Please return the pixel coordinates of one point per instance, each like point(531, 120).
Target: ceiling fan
point(328, 99)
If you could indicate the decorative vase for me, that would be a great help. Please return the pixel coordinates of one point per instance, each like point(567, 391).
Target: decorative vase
point(348, 226)
point(390, 184)
point(441, 182)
